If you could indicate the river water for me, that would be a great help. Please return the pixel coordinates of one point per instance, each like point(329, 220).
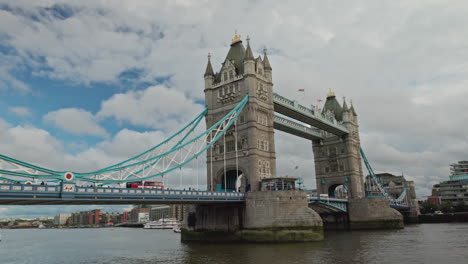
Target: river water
point(424, 243)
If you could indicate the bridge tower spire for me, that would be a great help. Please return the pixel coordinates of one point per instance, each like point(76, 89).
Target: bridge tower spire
point(241, 74)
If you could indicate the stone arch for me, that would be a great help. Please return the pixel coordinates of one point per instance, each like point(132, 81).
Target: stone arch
point(339, 190)
point(231, 178)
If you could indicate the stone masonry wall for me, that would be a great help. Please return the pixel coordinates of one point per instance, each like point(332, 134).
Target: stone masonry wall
point(373, 213)
point(279, 209)
point(214, 217)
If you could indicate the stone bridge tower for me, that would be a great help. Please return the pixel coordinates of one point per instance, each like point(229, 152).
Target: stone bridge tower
point(338, 159)
point(240, 74)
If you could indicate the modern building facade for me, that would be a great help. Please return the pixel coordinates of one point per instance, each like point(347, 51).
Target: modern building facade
point(454, 190)
point(139, 215)
point(61, 219)
point(459, 171)
point(167, 211)
point(86, 218)
point(159, 212)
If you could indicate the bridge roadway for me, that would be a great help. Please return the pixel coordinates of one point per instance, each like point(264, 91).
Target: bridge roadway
point(68, 193)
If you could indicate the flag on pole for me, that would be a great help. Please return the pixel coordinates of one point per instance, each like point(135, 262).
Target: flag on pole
point(319, 100)
point(301, 90)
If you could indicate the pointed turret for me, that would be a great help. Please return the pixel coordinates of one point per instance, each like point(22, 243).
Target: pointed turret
point(249, 60)
point(248, 52)
point(333, 106)
point(266, 62)
point(345, 106)
point(236, 54)
point(209, 69)
point(352, 109)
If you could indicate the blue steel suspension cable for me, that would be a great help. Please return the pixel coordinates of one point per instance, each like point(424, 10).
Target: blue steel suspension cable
point(236, 111)
point(58, 174)
point(379, 185)
point(196, 120)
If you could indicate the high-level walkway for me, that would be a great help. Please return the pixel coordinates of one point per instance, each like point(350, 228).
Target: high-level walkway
point(292, 109)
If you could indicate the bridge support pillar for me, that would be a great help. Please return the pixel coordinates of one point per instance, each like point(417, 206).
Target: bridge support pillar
point(274, 216)
point(413, 216)
point(213, 223)
point(373, 213)
point(281, 216)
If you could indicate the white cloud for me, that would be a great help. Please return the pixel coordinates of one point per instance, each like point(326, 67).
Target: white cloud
point(29, 144)
point(20, 111)
point(37, 146)
point(158, 107)
point(75, 121)
point(7, 80)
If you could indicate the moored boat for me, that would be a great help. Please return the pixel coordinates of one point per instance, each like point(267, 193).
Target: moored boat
point(164, 223)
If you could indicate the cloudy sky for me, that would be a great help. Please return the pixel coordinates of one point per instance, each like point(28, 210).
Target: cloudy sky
point(87, 83)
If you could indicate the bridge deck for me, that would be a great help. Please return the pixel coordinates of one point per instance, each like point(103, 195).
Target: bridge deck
point(20, 194)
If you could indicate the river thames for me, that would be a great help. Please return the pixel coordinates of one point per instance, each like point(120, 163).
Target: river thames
point(424, 243)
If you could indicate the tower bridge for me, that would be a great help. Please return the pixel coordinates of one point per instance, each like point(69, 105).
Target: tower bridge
point(241, 116)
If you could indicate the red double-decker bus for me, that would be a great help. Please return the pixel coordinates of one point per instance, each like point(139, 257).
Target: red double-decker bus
point(145, 185)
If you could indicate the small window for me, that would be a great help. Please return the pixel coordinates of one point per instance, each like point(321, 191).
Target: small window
point(244, 141)
point(238, 87)
point(230, 146)
point(239, 145)
point(221, 149)
point(242, 119)
point(225, 76)
point(231, 74)
point(219, 93)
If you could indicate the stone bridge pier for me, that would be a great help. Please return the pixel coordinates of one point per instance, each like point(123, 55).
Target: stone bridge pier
point(270, 216)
